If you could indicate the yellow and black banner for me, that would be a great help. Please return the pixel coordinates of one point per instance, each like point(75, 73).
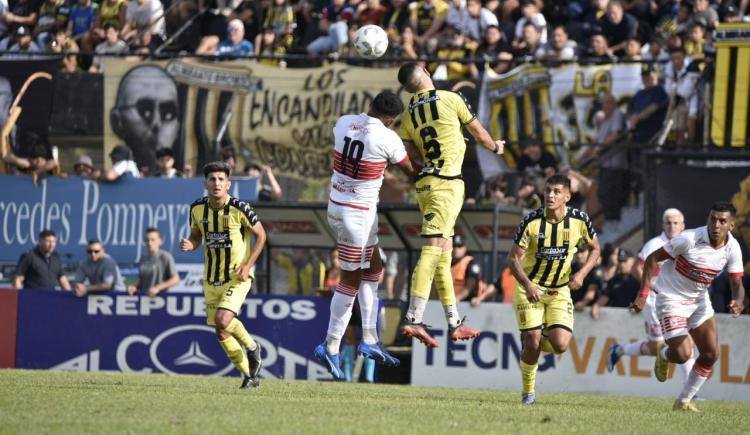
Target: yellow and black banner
point(730, 121)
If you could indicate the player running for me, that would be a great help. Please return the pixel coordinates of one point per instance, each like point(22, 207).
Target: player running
point(540, 259)
point(433, 124)
point(673, 222)
point(691, 261)
point(225, 224)
point(364, 146)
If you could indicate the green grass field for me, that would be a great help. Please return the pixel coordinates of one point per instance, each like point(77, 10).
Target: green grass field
point(75, 403)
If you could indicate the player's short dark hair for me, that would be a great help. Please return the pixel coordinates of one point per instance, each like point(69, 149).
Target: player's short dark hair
point(109, 26)
point(724, 206)
point(387, 103)
point(216, 167)
point(559, 179)
point(46, 233)
point(152, 230)
point(406, 76)
point(94, 241)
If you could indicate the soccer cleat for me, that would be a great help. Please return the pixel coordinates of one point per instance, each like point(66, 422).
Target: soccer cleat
point(614, 357)
point(462, 332)
point(254, 360)
point(661, 366)
point(419, 331)
point(378, 353)
point(528, 398)
point(684, 406)
point(249, 382)
point(331, 361)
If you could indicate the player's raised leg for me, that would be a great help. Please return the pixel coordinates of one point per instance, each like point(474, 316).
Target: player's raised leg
point(370, 346)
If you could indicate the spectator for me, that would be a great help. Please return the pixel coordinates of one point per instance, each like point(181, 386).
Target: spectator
point(600, 51)
point(270, 190)
point(495, 50)
point(143, 16)
point(112, 44)
point(235, 45)
point(84, 167)
point(592, 21)
point(455, 48)
point(493, 191)
point(334, 23)
point(51, 14)
point(531, 14)
point(227, 156)
point(41, 267)
point(99, 272)
point(370, 12)
point(406, 46)
point(24, 44)
point(427, 18)
point(110, 12)
point(37, 164)
point(21, 13)
point(613, 161)
point(268, 46)
point(696, 38)
point(457, 14)
point(396, 20)
point(62, 43)
point(165, 157)
point(608, 267)
point(536, 162)
point(157, 271)
point(528, 45)
point(3, 13)
point(122, 165)
point(528, 197)
point(478, 20)
point(333, 270)
point(654, 50)
point(305, 272)
point(632, 50)
point(592, 285)
point(648, 107)
point(618, 26)
point(81, 21)
point(703, 13)
point(622, 289)
point(466, 273)
point(279, 16)
point(560, 48)
point(506, 283)
point(681, 76)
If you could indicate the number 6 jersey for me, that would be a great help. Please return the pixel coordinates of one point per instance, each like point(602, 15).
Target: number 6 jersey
point(363, 149)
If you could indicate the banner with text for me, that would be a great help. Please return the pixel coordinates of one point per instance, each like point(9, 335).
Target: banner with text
point(491, 360)
point(116, 213)
point(280, 118)
point(117, 332)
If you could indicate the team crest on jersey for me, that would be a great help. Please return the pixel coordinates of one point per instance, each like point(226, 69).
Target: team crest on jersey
point(540, 236)
point(566, 235)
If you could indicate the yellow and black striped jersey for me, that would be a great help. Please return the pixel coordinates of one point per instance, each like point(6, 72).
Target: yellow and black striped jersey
point(226, 237)
point(433, 121)
point(550, 247)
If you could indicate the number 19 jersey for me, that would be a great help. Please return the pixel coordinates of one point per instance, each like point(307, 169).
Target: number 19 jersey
point(433, 120)
point(363, 148)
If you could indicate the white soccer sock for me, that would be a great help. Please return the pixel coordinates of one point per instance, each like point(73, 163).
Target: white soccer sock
point(695, 381)
point(368, 306)
point(687, 367)
point(416, 309)
point(341, 312)
point(635, 348)
point(451, 315)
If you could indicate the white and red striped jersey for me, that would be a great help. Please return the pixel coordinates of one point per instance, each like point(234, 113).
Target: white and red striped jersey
point(363, 149)
point(694, 263)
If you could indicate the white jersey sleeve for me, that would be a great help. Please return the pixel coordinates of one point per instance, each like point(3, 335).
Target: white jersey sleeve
point(735, 266)
point(680, 244)
point(651, 246)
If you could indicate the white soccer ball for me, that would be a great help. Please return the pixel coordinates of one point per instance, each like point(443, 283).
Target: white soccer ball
point(371, 41)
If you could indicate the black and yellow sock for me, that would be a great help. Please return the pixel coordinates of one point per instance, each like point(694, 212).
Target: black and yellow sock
point(528, 376)
point(236, 354)
point(238, 331)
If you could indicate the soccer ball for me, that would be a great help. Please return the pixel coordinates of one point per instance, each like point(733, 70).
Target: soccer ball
point(371, 41)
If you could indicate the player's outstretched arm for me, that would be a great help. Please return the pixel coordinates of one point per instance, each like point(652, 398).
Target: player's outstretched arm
point(576, 281)
point(514, 261)
point(738, 295)
point(483, 137)
point(192, 242)
point(260, 242)
point(649, 266)
point(408, 169)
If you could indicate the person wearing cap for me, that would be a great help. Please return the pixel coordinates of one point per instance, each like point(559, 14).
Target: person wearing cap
point(455, 47)
point(466, 273)
point(165, 156)
point(122, 164)
point(24, 42)
point(648, 107)
point(84, 167)
point(622, 288)
point(235, 45)
point(703, 12)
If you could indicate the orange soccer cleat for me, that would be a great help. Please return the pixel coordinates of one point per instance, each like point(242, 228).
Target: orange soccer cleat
point(462, 332)
point(420, 332)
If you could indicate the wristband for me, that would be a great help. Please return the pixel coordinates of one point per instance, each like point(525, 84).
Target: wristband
point(497, 148)
point(644, 292)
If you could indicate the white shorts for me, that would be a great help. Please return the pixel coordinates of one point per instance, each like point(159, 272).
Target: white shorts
point(650, 319)
point(356, 234)
point(678, 315)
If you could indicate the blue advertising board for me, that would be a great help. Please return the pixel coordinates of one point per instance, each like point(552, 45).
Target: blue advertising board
point(118, 332)
point(116, 213)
